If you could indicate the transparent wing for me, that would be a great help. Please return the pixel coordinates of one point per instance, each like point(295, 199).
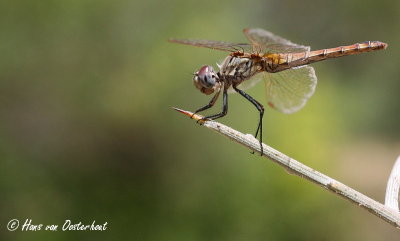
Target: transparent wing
point(218, 45)
point(264, 41)
point(288, 91)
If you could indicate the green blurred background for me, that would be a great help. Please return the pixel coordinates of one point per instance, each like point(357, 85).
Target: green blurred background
point(87, 131)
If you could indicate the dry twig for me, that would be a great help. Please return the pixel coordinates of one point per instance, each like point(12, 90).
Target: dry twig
point(389, 212)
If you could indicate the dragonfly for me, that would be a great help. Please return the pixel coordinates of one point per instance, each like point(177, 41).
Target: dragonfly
point(281, 64)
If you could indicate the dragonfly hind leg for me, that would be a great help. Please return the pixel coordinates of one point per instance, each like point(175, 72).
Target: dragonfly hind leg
point(260, 109)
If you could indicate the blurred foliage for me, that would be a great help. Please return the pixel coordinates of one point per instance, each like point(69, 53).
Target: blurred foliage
point(87, 131)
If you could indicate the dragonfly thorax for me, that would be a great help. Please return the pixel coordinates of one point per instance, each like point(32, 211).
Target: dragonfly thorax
point(206, 80)
point(235, 70)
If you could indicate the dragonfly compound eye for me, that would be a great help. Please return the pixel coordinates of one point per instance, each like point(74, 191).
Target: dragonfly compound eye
point(205, 79)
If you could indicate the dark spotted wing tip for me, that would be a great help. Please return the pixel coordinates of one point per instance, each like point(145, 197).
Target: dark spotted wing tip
point(179, 41)
point(173, 40)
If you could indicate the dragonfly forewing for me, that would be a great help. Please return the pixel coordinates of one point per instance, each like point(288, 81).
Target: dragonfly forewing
point(264, 41)
point(218, 45)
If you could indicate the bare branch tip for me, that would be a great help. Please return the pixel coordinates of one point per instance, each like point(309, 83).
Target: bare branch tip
point(190, 114)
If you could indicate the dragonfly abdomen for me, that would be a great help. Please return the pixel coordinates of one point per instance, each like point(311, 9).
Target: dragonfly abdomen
point(323, 54)
point(290, 60)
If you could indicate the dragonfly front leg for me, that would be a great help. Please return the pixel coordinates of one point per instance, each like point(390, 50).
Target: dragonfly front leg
point(209, 105)
point(260, 109)
point(224, 107)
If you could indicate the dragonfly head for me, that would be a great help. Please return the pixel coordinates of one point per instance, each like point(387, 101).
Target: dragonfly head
point(206, 80)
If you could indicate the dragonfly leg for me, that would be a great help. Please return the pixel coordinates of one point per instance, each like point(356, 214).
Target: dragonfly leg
point(224, 107)
point(260, 109)
point(209, 105)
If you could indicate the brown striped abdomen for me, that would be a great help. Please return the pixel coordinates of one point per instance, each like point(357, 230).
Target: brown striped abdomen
point(279, 62)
